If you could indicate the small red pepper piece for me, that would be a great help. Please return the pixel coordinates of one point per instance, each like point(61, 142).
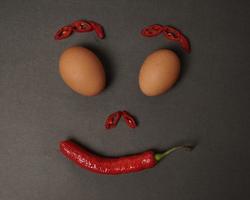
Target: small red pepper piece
point(82, 26)
point(176, 35)
point(152, 30)
point(98, 29)
point(113, 120)
point(63, 32)
point(171, 33)
point(130, 121)
point(114, 166)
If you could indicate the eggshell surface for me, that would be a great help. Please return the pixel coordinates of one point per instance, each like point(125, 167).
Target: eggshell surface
point(159, 72)
point(82, 71)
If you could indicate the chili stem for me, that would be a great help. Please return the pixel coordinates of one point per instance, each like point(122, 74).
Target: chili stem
point(160, 156)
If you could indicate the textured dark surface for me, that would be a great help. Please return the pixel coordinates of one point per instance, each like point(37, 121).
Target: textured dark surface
point(209, 105)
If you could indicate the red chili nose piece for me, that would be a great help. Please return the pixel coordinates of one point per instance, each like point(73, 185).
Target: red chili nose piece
point(114, 118)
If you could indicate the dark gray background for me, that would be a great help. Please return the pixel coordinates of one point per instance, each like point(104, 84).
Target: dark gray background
point(209, 106)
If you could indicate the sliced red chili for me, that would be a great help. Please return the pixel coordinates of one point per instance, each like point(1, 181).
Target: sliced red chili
point(113, 120)
point(176, 35)
point(98, 29)
point(63, 32)
point(185, 44)
point(130, 121)
point(152, 30)
point(82, 26)
point(171, 33)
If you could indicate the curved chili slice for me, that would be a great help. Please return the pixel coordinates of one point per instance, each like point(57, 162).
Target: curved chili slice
point(171, 33)
point(130, 121)
point(185, 44)
point(98, 29)
point(112, 120)
point(63, 32)
point(152, 30)
point(176, 35)
point(82, 26)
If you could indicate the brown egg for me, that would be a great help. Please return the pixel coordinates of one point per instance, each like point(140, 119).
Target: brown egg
point(82, 71)
point(159, 72)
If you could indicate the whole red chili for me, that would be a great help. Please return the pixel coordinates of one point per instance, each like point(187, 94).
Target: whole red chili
point(63, 32)
point(114, 166)
point(113, 120)
point(152, 30)
point(82, 26)
point(129, 119)
point(176, 35)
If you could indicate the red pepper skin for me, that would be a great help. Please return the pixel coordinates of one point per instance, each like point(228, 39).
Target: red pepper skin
point(113, 120)
point(82, 26)
point(185, 43)
point(114, 166)
point(152, 30)
point(64, 32)
point(130, 121)
point(106, 165)
point(176, 35)
point(98, 29)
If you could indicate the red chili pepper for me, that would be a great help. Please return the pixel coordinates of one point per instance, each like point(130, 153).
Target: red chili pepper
point(169, 32)
point(152, 30)
point(129, 119)
point(114, 166)
point(113, 120)
point(176, 35)
point(64, 32)
point(98, 29)
point(82, 26)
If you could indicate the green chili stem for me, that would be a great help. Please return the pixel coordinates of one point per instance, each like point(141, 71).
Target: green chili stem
point(160, 156)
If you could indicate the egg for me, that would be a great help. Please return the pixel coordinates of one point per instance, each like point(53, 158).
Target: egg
point(159, 72)
point(82, 71)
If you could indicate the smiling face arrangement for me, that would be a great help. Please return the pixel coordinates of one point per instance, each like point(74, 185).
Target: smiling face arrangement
point(84, 73)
